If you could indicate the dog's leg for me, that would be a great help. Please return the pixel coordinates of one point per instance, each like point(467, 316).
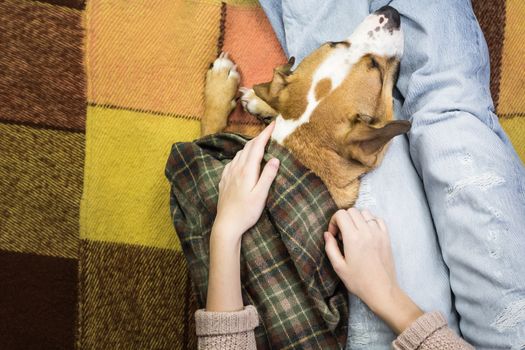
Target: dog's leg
point(255, 105)
point(222, 82)
point(249, 130)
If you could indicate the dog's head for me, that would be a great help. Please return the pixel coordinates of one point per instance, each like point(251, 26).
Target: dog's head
point(345, 87)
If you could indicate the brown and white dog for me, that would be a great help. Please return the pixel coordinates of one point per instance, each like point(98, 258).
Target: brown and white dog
point(334, 112)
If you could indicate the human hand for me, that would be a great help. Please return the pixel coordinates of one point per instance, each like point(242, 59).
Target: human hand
point(243, 189)
point(367, 267)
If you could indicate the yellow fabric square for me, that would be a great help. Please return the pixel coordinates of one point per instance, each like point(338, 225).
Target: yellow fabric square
point(515, 129)
point(126, 195)
point(150, 54)
point(512, 84)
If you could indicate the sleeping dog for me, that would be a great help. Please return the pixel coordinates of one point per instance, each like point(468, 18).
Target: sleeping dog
point(334, 112)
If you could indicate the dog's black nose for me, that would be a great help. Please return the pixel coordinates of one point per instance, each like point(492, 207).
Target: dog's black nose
point(392, 15)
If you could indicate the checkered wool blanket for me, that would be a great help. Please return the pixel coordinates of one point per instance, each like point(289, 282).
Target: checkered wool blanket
point(93, 93)
point(285, 272)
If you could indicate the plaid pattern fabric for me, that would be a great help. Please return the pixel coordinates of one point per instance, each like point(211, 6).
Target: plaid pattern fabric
point(285, 272)
point(93, 93)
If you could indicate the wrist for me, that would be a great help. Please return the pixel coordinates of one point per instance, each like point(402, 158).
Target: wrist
point(398, 310)
point(225, 230)
point(380, 299)
point(225, 248)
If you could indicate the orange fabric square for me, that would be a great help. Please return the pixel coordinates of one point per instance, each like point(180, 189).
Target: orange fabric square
point(150, 55)
point(252, 44)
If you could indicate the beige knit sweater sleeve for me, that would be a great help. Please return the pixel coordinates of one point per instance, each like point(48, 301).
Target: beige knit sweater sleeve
point(227, 330)
point(234, 330)
point(430, 332)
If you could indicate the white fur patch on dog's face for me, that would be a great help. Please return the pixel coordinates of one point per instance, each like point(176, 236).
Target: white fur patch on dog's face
point(375, 35)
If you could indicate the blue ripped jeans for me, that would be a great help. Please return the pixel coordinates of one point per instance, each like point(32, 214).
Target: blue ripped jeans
point(452, 191)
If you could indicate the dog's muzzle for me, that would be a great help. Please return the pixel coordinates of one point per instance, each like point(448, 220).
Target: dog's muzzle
point(380, 33)
point(392, 16)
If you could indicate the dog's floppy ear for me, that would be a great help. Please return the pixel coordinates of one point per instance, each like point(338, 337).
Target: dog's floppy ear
point(365, 141)
point(371, 139)
point(269, 92)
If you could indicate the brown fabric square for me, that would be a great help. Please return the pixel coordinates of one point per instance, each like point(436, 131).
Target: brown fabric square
point(491, 18)
point(76, 4)
point(42, 77)
point(41, 174)
point(134, 297)
point(37, 301)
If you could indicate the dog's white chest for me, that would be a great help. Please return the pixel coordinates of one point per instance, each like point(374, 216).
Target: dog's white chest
point(284, 128)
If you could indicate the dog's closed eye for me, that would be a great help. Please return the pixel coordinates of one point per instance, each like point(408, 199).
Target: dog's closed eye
point(373, 63)
point(334, 44)
point(368, 119)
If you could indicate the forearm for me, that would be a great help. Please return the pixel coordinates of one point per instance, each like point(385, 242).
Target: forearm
point(224, 281)
point(396, 309)
point(225, 323)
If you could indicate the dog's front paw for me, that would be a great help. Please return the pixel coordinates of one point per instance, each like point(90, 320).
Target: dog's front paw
point(222, 81)
point(255, 105)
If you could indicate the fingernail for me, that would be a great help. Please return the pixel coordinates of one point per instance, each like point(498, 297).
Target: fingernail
point(274, 162)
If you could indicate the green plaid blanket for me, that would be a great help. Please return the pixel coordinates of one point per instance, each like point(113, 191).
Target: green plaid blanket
point(284, 270)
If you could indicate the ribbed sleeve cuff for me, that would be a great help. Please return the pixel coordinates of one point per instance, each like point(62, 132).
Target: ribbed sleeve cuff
point(221, 323)
point(420, 330)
